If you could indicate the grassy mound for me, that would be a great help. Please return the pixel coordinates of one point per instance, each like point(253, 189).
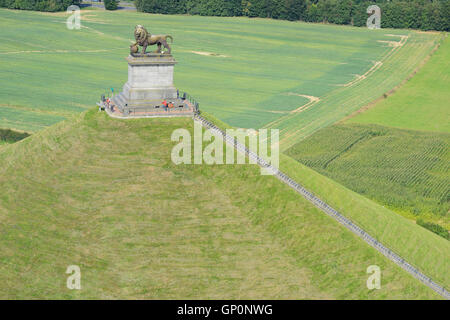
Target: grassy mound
point(103, 194)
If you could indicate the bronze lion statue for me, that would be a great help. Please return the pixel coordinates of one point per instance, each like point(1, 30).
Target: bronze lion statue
point(144, 38)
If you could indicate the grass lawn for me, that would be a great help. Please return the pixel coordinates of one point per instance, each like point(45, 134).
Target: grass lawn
point(103, 194)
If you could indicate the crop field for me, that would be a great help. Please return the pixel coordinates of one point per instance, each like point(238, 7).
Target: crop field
point(247, 72)
point(404, 169)
point(421, 247)
point(150, 230)
point(405, 55)
point(397, 151)
point(422, 103)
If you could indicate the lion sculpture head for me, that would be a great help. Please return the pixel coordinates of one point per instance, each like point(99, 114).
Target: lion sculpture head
point(140, 34)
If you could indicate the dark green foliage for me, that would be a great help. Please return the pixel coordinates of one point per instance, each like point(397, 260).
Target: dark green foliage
point(111, 4)
point(198, 7)
point(39, 5)
point(404, 169)
point(10, 136)
point(433, 227)
point(416, 14)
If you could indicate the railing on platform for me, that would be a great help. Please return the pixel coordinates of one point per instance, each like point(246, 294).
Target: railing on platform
point(186, 96)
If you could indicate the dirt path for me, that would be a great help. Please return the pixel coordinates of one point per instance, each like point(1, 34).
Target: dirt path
point(312, 100)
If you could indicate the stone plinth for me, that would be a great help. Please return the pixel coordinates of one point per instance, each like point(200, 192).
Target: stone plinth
point(150, 81)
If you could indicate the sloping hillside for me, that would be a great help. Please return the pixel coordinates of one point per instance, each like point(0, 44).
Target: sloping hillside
point(103, 194)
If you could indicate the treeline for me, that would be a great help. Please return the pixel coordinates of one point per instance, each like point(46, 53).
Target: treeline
point(416, 14)
point(433, 227)
point(39, 5)
point(111, 4)
point(10, 136)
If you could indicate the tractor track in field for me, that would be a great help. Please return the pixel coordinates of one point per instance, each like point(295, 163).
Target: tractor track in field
point(317, 202)
point(393, 90)
point(312, 100)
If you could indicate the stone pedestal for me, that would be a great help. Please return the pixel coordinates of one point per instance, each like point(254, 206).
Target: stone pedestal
point(150, 81)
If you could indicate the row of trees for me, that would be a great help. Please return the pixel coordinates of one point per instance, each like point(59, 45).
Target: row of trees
point(433, 227)
point(417, 14)
point(111, 4)
point(10, 136)
point(39, 5)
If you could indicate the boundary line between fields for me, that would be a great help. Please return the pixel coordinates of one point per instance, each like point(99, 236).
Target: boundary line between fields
point(327, 209)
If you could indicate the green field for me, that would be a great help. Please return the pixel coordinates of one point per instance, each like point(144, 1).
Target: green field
point(403, 58)
point(103, 193)
point(404, 169)
point(247, 72)
point(149, 229)
point(375, 153)
point(422, 103)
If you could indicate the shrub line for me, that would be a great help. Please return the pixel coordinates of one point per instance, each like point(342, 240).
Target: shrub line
point(317, 202)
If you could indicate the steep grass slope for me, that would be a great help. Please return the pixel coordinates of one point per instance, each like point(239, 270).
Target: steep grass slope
point(103, 194)
point(427, 251)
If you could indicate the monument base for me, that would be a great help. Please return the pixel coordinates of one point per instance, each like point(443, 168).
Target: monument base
point(188, 111)
point(150, 82)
